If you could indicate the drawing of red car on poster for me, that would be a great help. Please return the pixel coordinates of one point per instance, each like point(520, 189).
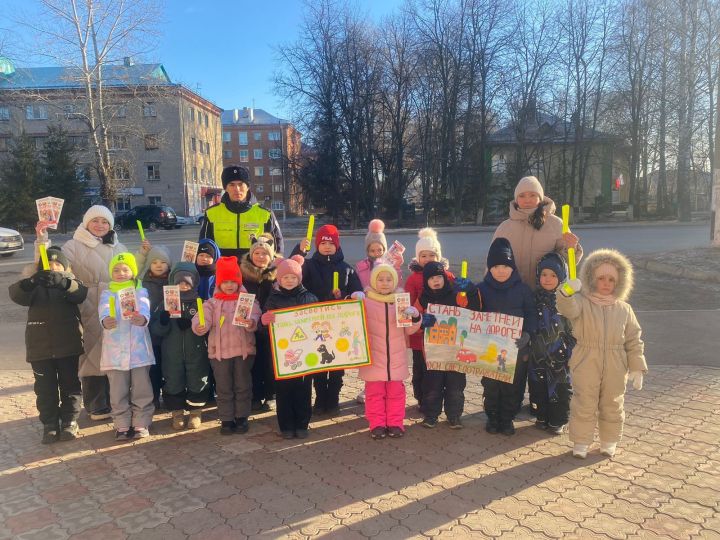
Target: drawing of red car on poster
point(463, 355)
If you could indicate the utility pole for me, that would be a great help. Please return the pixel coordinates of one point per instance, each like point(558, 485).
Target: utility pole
point(715, 214)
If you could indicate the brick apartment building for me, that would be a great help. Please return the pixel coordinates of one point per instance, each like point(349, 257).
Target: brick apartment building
point(165, 139)
point(269, 147)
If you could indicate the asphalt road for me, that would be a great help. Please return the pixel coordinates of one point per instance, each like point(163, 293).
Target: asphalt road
point(680, 319)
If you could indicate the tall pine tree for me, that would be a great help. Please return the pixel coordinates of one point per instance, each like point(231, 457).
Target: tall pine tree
point(18, 180)
point(59, 176)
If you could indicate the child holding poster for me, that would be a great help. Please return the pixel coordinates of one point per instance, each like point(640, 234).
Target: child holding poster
point(427, 249)
point(551, 347)
point(328, 277)
point(384, 386)
point(600, 314)
point(231, 348)
point(440, 386)
point(258, 272)
point(294, 396)
point(53, 340)
point(502, 291)
point(154, 275)
point(184, 355)
point(127, 351)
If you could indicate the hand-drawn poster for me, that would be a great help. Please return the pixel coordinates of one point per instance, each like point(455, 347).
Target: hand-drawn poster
point(473, 342)
point(326, 336)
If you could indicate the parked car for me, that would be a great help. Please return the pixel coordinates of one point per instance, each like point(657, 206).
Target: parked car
point(10, 242)
point(185, 220)
point(151, 216)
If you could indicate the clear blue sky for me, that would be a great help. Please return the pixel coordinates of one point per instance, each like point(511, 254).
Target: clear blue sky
point(224, 46)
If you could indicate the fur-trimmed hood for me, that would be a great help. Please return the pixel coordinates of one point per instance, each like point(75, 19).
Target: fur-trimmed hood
point(618, 260)
point(414, 265)
point(253, 274)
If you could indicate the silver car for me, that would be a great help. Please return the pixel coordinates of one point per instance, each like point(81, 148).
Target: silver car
point(10, 242)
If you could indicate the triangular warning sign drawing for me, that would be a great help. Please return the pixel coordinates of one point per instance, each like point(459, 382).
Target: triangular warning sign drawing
point(298, 335)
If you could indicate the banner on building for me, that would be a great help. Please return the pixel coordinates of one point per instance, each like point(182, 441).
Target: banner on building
point(472, 342)
point(326, 336)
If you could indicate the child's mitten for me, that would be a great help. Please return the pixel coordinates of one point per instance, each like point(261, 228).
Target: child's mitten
point(357, 295)
point(636, 378)
point(268, 318)
point(412, 312)
point(522, 341)
point(570, 287)
point(428, 320)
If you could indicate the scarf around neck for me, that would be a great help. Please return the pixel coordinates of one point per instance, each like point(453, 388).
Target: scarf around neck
point(116, 286)
point(602, 299)
point(378, 297)
point(224, 296)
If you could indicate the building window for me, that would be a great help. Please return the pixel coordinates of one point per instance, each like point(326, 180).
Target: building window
point(153, 172)
point(149, 109)
point(274, 136)
point(194, 173)
point(227, 136)
point(207, 120)
point(36, 112)
point(191, 114)
point(79, 142)
point(192, 145)
point(120, 172)
point(154, 199)
point(202, 175)
point(275, 171)
point(257, 153)
point(259, 188)
point(243, 156)
point(277, 188)
point(207, 148)
point(275, 153)
point(40, 142)
point(71, 111)
point(227, 154)
point(4, 113)
point(259, 171)
point(242, 138)
point(257, 136)
point(118, 142)
point(279, 205)
point(151, 142)
point(122, 204)
point(202, 146)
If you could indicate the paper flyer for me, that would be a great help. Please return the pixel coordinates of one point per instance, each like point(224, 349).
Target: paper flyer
point(394, 253)
point(171, 299)
point(128, 303)
point(402, 303)
point(243, 308)
point(49, 209)
point(189, 252)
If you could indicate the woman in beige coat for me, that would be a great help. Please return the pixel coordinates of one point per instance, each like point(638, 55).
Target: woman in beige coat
point(533, 229)
point(609, 350)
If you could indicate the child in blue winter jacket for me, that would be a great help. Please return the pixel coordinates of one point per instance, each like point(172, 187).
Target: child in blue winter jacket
point(127, 351)
point(502, 291)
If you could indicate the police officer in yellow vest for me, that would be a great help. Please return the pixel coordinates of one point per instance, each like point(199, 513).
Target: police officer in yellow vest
point(238, 218)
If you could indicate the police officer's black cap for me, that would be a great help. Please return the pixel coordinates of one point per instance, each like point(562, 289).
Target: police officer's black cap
point(234, 173)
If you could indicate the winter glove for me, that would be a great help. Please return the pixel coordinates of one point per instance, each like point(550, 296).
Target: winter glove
point(55, 280)
point(412, 312)
point(636, 378)
point(570, 287)
point(27, 284)
point(461, 299)
point(164, 318)
point(357, 295)
point(522, 341)
point(268, 318)
point(462, 284)
point(428, 320)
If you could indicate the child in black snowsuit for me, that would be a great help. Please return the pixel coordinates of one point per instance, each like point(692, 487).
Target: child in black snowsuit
point(502, 291)
point(54, 343)
point(317, 277)
point(552, 345)
point(293, 396)
point(440, 386)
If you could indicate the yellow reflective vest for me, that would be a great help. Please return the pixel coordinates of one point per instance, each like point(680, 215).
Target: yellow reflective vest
point(235, 231)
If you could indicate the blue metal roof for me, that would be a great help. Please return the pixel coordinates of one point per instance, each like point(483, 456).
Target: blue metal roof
point(260, 117)
point(70, 77)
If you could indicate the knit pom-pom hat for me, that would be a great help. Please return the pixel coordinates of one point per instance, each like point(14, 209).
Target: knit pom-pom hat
point(227, 269)
point(98, 211)
point(428, 242)
point(292, 265)
point(376, 234)
point(328, 233)
point(378, 269)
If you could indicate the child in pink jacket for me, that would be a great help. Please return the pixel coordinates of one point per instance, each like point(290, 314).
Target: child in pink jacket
point(231, 348)
point(384, 386)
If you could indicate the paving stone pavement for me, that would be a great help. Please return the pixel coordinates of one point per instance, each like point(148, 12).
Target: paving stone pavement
point(662, 483)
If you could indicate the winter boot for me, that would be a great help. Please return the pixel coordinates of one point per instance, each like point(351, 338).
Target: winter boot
point(580, 450)
point(608, 449)
point(50, 434)
point(178, 420)
point(69, 431)
point(241, 425)
point(195, 419)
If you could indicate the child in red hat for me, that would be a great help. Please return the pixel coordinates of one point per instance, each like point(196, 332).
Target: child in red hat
point(317, 277)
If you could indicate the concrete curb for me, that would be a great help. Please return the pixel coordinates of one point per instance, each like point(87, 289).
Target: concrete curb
point(676, 271)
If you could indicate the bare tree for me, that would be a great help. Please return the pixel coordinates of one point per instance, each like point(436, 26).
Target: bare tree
point(89, 37)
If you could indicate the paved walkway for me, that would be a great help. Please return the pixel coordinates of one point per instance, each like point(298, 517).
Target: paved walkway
point(663, 483)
